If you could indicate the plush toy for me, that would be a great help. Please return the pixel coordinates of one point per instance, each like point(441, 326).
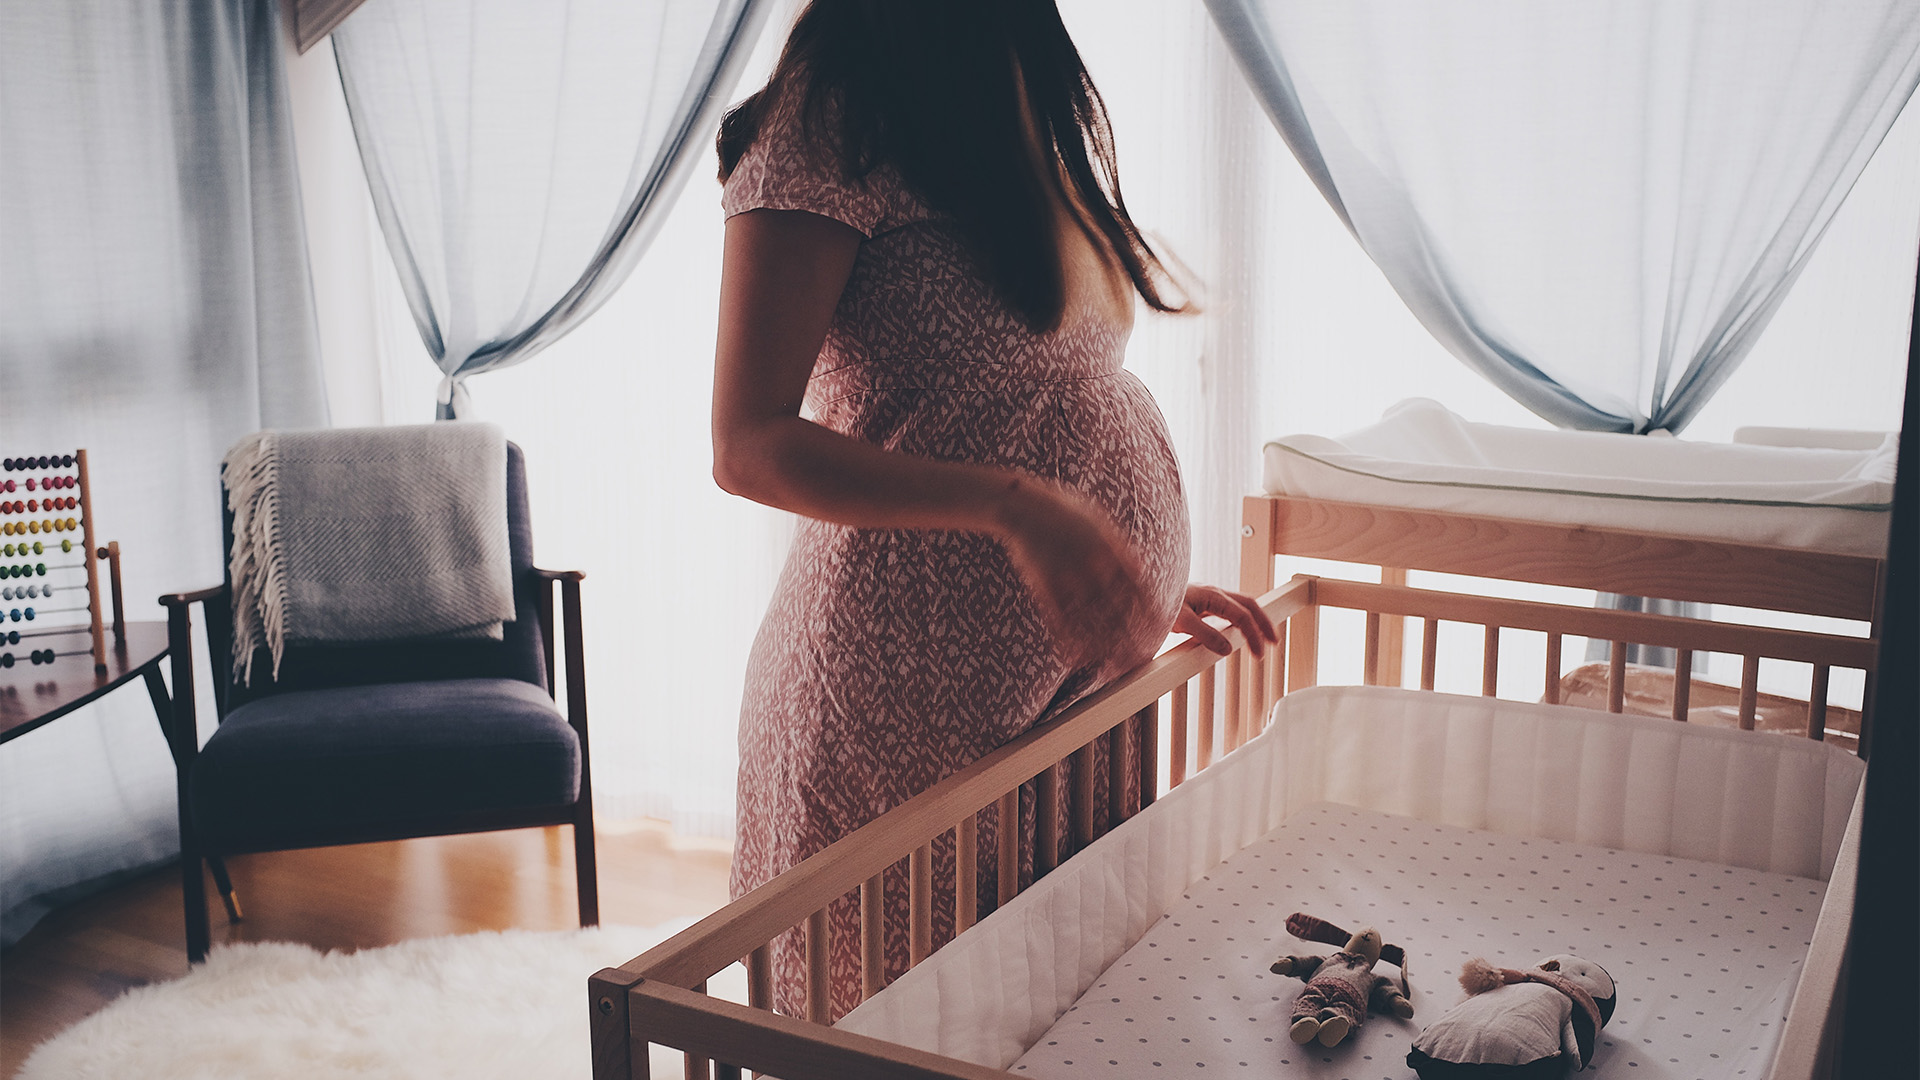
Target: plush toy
point(1537, 1024)
point(1341, 988)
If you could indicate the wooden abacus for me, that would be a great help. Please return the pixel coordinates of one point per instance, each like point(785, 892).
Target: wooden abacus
point(43, 500)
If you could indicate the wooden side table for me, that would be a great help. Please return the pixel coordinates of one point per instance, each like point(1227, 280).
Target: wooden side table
point(35, 695)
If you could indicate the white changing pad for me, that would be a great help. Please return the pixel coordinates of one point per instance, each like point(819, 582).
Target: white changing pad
point(1705, 956)
point(1421, 456)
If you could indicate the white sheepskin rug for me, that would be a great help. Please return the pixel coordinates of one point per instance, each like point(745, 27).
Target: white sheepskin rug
point(506, 1005)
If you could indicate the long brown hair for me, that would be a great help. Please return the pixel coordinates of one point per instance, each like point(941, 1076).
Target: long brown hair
point(932, 89)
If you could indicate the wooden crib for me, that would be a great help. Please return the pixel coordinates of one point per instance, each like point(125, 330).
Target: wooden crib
point(1208, 706)
point(1627, 562)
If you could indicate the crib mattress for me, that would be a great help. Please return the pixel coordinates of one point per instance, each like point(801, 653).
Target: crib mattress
point(1612, 798)
point(1685, 941)
point(1421, 456)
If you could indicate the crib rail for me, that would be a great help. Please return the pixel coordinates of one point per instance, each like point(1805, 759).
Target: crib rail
point(1211, 705)
point(1823, 652)
point(656, 997)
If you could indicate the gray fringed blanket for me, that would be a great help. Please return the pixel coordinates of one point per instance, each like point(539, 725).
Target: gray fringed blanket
point(367, 534)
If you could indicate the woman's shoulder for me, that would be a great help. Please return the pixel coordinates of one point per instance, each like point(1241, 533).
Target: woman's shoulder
point(795, 163)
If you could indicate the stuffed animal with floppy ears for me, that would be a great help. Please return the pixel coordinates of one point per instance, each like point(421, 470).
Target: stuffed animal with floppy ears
point(1537, 1024)
point(1341, 988)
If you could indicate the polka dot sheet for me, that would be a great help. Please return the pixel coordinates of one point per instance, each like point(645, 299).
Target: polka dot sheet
point(1705, 956)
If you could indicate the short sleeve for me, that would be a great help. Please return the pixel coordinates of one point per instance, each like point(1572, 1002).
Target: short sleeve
point(790, 167)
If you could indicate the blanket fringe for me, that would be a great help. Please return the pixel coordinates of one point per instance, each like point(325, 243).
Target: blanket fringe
point(255, 566)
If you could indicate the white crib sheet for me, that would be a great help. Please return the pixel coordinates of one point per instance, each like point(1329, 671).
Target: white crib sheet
point(1646, 788)
point(1421, 456)
point(1705, 956)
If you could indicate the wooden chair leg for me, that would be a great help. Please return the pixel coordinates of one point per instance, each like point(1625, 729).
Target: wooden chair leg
point(228, 897)
point(182, 741)
point(193, 889)
point(586, 872)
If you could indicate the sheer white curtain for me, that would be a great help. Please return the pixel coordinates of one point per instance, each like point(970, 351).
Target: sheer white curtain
point(522, 156)
point(154, 307)
point(1598, 207)
point(1300, 332)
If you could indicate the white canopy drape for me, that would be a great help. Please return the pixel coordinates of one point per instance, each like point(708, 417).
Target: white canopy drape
point(522, 156)
point(1596, 206)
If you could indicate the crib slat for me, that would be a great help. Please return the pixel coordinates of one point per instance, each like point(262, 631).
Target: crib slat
point(1277, 682)
point(1207, 717)
point(1119, 758)
point(1256, 696)
point(1490, 663)
point(1617, 677)
point(1749, 690)
point(920, 905)
point(760, 978)
point(1393, 635)
point(1370, 668)
point(1682, 683)
point(1234, 707)
point(1303, 648)
point(1177, 739)
point(1007, 841)
point(819, 986)
point(1429, 650)
point(966, 872)
point(873, 921)
point(1817, 704)
point(1552, 695)
point(1149, 744)
point(1081, 810)
point(697, 1067)
point(1046, 825)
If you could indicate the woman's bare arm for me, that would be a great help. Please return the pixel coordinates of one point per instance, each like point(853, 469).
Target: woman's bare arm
point(783, 276)
point(781, 280)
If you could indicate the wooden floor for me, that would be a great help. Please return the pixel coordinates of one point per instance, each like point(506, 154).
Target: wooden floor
point(82, 957)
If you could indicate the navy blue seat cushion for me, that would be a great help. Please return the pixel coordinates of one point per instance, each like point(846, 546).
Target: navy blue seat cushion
point(354, 763)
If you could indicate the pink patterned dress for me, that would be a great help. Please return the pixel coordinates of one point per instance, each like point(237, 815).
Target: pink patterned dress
point(891, 658)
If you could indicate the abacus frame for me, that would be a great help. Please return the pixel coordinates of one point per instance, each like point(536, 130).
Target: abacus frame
point(92, 554)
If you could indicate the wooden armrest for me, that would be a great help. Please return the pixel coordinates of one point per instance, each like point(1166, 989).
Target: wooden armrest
point(185, 599)
point(559, 575)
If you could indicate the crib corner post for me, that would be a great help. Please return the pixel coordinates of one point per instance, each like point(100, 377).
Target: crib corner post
point(611, 1027)
point(1303, 647)
point(1256, 544)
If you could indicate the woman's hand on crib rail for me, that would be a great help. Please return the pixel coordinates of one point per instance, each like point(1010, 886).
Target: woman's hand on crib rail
point(1238, 610)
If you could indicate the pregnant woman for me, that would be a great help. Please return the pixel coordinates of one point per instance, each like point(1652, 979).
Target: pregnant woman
point(929, 281)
